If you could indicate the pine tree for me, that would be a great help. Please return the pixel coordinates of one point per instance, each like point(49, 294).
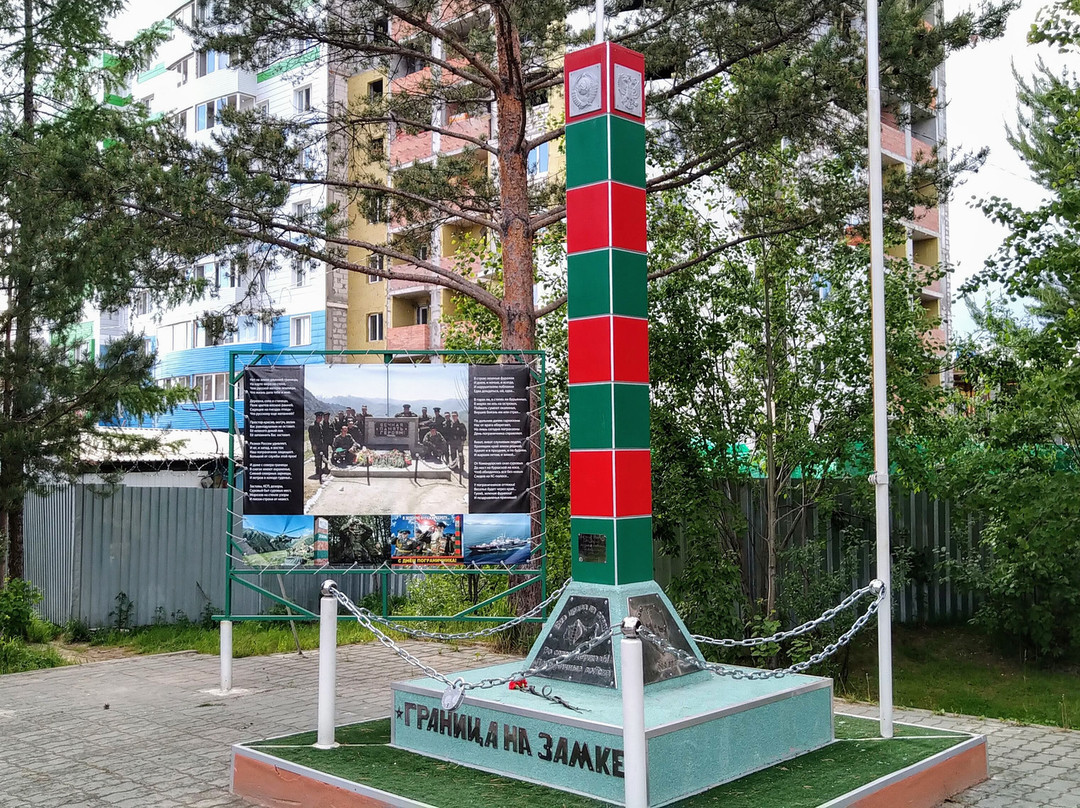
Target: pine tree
point(729, 80)
point(79, 181)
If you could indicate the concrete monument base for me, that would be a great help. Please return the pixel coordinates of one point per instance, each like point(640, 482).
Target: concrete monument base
point(702, 729)
point(279, 772)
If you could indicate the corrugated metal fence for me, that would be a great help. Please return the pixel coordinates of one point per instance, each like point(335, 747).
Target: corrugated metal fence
point(162, 547)
point(924, 533)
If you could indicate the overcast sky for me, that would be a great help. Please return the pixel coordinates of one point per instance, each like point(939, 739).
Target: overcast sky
point(982, 101)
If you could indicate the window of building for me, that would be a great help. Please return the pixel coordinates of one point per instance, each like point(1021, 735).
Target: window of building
point(185, 15)
point(206, 62)
point(375, 327)
point(300, 330)
point(264, 108)
point(409, 62)
point(538, 160)
point(376, 209)
point(229, 275)
point(175, 381)
point(238, 390)
point(375, 90)
point(302, 100)
point(182, 70)
point(302, 268)
point(211, 386)
point(422, 313)
point(208, 115)
point(179, 121)
point(175, 337)
point(209, 272)
point(252, 329)
point(204, 9)
point(142, 303)
point(380, 30)
point(423, 251)
point(147, 346)
point(378, 148)
point(205, 117)
point(375, 262)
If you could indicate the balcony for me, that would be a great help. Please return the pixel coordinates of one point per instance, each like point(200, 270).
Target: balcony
point(409, 338)
point(926, 218)
point(893, 140)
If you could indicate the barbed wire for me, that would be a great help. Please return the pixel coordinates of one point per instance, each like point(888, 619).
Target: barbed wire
point(490, 631)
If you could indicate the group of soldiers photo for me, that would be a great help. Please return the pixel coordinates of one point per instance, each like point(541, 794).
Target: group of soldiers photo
point(338, 440)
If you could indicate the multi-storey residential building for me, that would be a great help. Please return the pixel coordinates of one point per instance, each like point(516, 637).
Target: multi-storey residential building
point(927, 234)
point(191, 88)
point(326, 309)
point(398, 315)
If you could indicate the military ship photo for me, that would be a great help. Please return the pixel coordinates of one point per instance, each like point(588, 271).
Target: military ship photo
point(502, 538)
point(502, 544)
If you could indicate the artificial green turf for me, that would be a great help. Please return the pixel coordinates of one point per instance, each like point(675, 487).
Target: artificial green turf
point(858, 757)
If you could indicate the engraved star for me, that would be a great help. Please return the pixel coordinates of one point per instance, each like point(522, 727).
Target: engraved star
point(398, 712)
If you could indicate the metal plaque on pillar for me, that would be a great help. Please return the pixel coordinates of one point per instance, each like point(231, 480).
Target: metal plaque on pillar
point(655, 616)
point(581, 619)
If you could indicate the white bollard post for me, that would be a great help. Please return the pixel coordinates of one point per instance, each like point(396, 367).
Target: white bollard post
point(328, 613)
point(635, 747)
point(226, 652)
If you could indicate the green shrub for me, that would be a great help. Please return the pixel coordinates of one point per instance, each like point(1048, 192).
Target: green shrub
point(206, 616)
point(1024, 570)
point(17, 600)
point(76, 630)
point(16, 657)
point(42, 631)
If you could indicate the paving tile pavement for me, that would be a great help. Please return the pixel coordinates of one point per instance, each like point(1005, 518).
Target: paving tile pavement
point(1030, 766)
point(145, 732)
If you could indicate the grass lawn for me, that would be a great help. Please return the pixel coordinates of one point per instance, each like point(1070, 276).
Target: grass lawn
point(955, 669)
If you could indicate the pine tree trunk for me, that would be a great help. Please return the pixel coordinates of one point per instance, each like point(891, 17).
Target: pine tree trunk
point(518, 317)
point(18, 336)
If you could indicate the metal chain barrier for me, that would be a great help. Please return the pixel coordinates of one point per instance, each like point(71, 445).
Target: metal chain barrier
point(877, 587)
point(364, 618)
point(455, 689)
point(825, 617)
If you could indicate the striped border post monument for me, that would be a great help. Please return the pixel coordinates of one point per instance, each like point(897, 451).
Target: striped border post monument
point(610, 485)
point(615, 701)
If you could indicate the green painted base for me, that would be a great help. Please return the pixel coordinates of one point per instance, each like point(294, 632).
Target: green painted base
point(702, 729)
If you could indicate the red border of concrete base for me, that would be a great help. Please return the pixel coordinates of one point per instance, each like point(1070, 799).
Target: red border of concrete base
point(932, 785)
point(268, 785)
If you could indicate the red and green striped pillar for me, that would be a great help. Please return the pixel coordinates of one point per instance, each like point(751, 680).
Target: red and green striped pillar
point(610, 485)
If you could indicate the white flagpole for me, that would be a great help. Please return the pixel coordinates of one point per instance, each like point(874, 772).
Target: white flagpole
point(599, 36)
point(880, 478)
